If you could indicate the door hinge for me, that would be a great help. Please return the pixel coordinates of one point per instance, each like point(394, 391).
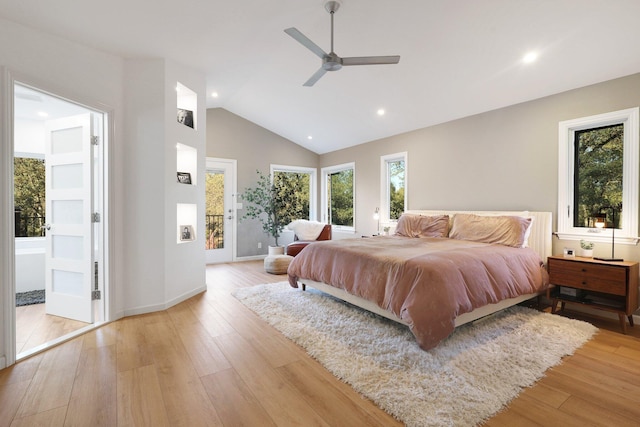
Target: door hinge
point(95, 217)
point(95, 140)
point(95, 293)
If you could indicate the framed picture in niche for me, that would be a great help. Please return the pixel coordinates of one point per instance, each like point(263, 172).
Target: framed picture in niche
point(184, 177)
point(186, 233)
point(185, 117)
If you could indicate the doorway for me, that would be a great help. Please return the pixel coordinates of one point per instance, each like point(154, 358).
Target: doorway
point(220, 211)
point(59, 237)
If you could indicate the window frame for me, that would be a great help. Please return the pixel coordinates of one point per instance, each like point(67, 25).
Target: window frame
point(628, 232)
point(313, 172)
point(385, 197)
point(324, 202)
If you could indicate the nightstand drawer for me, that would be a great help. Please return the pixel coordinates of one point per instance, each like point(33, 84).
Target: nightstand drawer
point(596, 277)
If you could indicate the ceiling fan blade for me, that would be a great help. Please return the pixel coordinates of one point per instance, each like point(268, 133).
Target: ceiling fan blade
point(306, 42)
point(316, 76)
point(370, 60)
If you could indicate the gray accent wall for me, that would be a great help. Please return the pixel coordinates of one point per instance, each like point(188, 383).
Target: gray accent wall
point(505, 159)
point(255, 148)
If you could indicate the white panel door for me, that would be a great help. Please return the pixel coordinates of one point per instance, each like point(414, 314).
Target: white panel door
point(220, 210)
point(69, 230)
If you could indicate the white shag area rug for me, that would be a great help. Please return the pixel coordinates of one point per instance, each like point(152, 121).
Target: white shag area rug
point(467, 379)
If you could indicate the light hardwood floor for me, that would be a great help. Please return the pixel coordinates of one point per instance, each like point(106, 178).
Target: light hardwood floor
point(211, 361)
point(34, 327)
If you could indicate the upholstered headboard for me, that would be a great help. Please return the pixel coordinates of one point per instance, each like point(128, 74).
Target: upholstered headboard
point(539, 239)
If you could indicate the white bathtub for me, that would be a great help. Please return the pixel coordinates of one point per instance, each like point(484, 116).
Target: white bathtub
point(29, 263)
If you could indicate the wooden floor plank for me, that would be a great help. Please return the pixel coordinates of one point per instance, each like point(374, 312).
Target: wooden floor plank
point(328, 401)
point(547, 395)
point(96, 373)
point(185, 399)
point(23, 371)
point(545, 415)
point(596, 414)
point(234, 401)
point(51, 418)
point(285, 407)
point(595, 394)
point(206, 356)
point(132, 348)
point(614, 376)
point(52, 384)
point(11, 396)
point(140, 400)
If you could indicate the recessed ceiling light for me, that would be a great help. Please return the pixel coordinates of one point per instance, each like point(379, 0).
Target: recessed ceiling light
point(43, 114)
point(381, 112)
point(310, 137)
point(214, 94)
point(530, 57)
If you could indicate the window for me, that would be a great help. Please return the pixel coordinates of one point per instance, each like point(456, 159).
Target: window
point(393, 194)
point(29, 196)
point(598, 175)
point(338, 196)
point(297, 185)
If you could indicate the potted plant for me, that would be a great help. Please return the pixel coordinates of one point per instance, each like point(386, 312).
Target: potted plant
point(586, 248)
point(273, 203)
point(385, 230)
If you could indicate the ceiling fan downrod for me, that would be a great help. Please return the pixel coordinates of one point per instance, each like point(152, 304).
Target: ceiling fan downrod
point(332, 7)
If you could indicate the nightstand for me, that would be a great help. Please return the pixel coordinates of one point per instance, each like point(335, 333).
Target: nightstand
point(610, 286)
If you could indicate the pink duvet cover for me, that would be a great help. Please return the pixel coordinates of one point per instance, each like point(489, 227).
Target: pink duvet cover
point(427, 282)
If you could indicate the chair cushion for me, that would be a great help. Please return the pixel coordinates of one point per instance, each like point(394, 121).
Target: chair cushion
point(294, 248)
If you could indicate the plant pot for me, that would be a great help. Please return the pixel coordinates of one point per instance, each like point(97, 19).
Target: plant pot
point(276, 250)
point(587, 253)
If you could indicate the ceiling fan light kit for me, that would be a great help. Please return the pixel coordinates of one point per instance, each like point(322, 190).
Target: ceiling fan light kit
point(331, 61)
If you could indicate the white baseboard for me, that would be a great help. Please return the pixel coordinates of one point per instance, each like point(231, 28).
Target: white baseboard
point(250, 258)
point(159, 307)
point(185, 296)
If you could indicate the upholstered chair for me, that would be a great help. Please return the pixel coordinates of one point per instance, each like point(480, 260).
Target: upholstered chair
point(297, 245)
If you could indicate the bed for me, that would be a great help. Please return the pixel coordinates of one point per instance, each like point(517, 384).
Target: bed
point(436, 271)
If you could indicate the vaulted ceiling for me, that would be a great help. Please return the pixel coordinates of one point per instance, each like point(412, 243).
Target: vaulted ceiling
point(458, 57)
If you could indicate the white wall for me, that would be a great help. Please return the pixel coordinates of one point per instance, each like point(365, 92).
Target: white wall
point(103, 82)
point(164, 271)
point(76, 72)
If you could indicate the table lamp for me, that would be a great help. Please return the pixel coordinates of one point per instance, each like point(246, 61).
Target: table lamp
point(600, 223)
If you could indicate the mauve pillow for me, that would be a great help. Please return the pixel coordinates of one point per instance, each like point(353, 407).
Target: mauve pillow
point(505, 230)
point(411, 225)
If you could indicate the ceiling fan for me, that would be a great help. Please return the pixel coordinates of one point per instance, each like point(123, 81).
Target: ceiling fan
point(331, 61)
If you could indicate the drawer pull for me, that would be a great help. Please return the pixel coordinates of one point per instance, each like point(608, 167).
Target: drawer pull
point(584, 270)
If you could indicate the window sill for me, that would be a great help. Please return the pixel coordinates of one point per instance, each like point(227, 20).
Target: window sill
point(598, 238)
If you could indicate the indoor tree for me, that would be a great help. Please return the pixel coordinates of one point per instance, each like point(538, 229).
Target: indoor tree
point(272, 202)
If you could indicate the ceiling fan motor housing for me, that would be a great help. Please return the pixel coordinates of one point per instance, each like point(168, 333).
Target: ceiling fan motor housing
point(332, 62)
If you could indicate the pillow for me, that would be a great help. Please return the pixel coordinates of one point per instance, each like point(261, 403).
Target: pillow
point(505, 230)
point(411, 225)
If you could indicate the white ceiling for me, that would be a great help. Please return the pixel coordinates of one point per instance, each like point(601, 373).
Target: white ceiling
point(458, 57)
